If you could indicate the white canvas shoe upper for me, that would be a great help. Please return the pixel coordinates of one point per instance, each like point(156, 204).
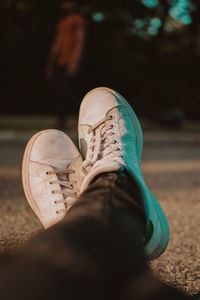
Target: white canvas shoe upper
point(110, 139)
point(107, 135)
point(50, 175)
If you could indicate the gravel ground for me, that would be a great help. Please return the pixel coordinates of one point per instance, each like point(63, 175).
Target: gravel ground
point(172, 171)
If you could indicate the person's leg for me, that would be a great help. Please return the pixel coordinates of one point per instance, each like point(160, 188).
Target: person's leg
point(114, 207)
point(64, 256)
point(60, 86)
point(95, 252)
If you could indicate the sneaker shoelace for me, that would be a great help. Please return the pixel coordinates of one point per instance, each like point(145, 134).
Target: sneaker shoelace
point(103, 143)
point(67, 188)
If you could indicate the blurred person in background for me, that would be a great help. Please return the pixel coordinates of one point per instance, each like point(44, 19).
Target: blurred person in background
point(64, 58)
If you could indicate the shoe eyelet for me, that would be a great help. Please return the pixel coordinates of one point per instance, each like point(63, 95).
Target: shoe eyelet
point(89, 131)
point(112, 117)
point(53, 192)
point(116, 142)
point(55, 202)
point(118, 149)
point(57, 211)
point(50, 182)
point(47, 173)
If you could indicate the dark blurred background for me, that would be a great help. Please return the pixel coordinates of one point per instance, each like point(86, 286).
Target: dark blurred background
point(148, 50)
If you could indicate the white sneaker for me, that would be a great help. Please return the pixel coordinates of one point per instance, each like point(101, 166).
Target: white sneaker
point(110, 139)
point(50, 175)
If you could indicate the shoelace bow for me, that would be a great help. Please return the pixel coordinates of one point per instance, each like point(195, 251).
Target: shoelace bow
point(105, 144)
point(67, 188)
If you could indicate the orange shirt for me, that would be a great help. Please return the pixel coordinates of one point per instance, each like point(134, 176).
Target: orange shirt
point(66, 34)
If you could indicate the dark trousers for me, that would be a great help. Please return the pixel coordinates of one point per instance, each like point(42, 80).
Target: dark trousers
point(95, 252)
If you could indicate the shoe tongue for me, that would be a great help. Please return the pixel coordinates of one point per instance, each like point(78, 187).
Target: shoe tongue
point(61, 165)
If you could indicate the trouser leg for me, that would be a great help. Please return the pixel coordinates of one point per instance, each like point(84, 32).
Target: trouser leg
point(96, 252)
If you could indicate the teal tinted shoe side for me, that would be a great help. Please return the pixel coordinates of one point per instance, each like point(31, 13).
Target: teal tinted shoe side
point(110, 139)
